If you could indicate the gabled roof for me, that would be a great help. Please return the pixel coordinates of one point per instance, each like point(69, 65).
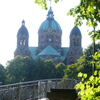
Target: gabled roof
point(33, 52)
point(49, 50)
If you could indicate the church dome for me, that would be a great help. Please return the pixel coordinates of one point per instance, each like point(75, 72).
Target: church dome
point(50, 23)
point(75, 31)
point(23, 29)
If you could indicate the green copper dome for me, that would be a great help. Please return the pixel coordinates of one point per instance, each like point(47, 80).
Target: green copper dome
point(50, 23)
point(23, 29)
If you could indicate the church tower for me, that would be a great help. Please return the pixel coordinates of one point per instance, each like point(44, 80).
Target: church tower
point(22, 42)
point(49, 33)
point(75, 49)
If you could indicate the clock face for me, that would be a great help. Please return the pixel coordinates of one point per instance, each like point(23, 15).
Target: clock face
point(49, 29)
point(49, 39)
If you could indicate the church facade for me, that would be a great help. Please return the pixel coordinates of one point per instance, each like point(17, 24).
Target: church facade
point(49, 42)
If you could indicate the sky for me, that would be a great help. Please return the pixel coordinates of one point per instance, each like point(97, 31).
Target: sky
point(12, 12)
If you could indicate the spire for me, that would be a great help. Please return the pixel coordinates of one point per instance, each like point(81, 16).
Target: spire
point(50, 3)
point(50, 12)
point(23, 22)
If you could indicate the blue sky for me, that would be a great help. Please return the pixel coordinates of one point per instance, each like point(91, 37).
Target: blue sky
point(12, 12)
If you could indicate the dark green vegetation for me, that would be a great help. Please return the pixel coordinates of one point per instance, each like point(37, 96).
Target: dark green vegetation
point(22, 69)
point(2, 74)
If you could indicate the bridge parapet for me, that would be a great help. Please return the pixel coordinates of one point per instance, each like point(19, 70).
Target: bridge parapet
point(33, 90)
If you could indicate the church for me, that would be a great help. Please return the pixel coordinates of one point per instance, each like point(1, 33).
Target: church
point(49, 42)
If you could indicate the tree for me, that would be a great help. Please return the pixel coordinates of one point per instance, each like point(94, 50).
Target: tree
point(89, 10)
point(89, 88)
point(82, 65)
point(44, 69)
point(39, 63)
point(2, 74)
point(60, 70)
point(20, 69)
point(50, 69)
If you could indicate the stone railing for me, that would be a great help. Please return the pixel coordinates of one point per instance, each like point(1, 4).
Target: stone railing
point(34, 90)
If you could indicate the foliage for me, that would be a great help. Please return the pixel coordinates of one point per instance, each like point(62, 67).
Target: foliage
point(88, 52)
point(89, 89)
point(82, 65)
point(43, 3)
point(2, 74)
point(44, 69)
point(60, 70)
point(50, 69)
point(20, 69)
point(39, 69)
point(88, 10)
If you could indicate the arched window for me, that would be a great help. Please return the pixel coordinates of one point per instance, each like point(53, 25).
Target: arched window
point(20, 43)
point(24, 42)
point(77, 42)
point(74, 42)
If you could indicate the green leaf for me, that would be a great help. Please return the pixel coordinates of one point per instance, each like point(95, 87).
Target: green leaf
point(91, 78)
point(95, 72)
point(80, 74)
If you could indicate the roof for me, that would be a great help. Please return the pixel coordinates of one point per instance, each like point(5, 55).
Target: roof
point(49, 50)
point(23, 29)
point(65, 51)
point(75, 31)
point(50, 22)
point(33, 51)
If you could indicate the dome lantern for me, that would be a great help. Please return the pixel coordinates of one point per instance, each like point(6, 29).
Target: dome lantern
point(50, 24)
point(50, 14)
point(23, 22)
